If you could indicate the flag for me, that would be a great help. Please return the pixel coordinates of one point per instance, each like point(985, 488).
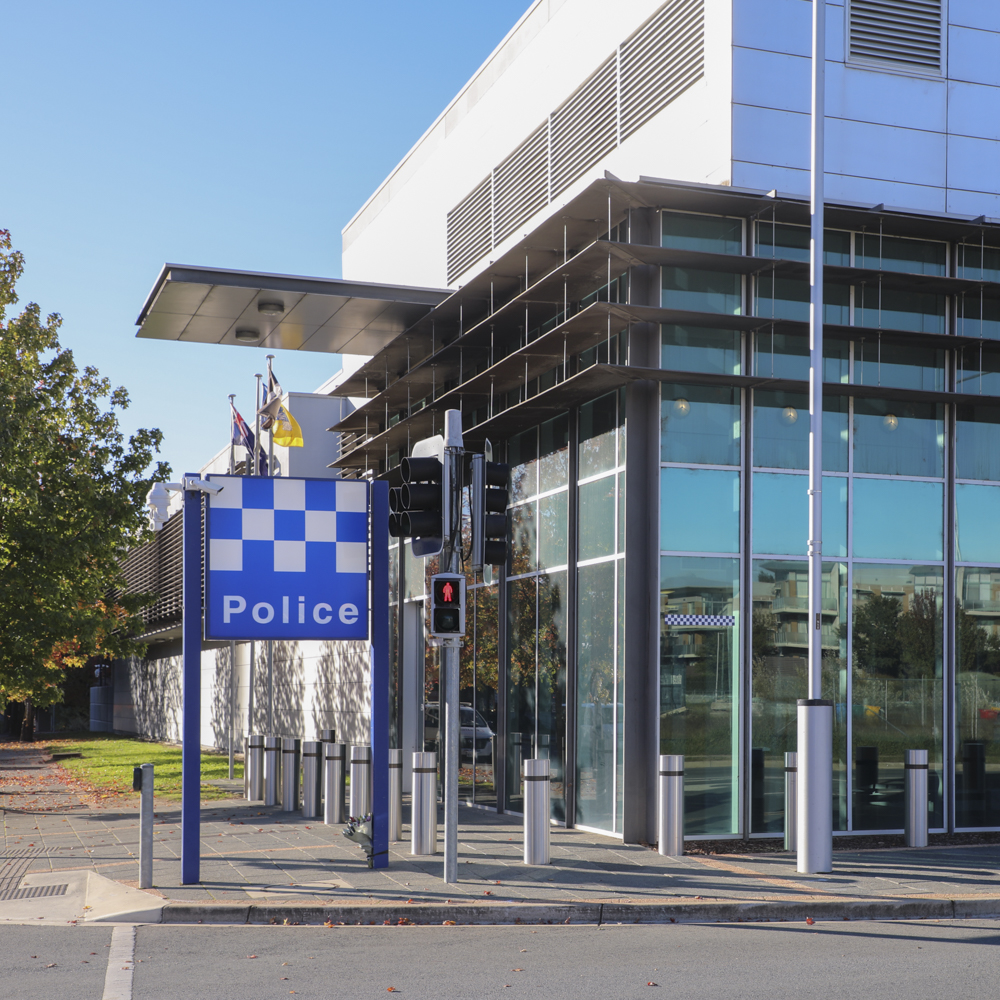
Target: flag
point(244, 436)
point(276, 417)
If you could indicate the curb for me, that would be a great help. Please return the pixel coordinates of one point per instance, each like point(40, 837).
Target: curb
point(581, 913)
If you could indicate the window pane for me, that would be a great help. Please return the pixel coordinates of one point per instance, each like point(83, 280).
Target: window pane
point(487, 694)
point(897, 519)
point(788, 298)
point(896, 438)
point(976, 515)
point(699, 510)
point(595, 714)
point(700, 425)
point(778, 355)
point(978, 263)
point(977, 697)
point(977, 452)
point(552, 525)
point(598, 421)
point(780, 678)
point(553, 462)
point(706, 233)
point(902, 367)
point(699, 702)
point(978, 371)
point(781, 514)
point(897, 684)
point(522, 454)
point(522, 539)
point(888, 309)
point(978, 318)
point(792, 243)
point(520, 684)
point(597, 518)
point(781, 431)
point(700, 349)
point(701, 291)
point(551, 709)
point(894, 253)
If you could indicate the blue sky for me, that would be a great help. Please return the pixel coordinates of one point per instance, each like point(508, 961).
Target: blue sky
point(221, 133)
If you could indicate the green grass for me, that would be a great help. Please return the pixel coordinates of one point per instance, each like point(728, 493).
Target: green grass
point(107, 764)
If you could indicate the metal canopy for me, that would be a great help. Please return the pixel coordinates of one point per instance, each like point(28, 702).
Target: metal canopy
point(208, 305)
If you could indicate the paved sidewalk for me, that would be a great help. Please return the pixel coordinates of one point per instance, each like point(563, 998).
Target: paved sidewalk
point(264, 864)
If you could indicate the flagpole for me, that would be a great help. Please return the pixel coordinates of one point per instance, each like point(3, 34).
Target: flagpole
point(270, 472)
point(232, 644)
point(256, 429)
point(251, 470)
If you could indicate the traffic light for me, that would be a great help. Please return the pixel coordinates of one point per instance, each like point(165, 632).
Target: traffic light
point(447, 604)
point(490, 484)
point(416, 506)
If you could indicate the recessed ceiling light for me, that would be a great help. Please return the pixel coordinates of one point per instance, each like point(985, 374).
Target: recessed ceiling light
point(271, 308)
point(248, 336)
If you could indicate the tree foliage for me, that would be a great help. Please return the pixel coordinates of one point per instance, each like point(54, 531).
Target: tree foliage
point(72, 493)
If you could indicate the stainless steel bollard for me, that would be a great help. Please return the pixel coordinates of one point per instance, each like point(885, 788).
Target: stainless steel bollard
point(361, 780)
point(791, 801)
point(146, 828)
point(423, 804)
point(537, 810)
point(915, 799)
point(272, 769)
point(310, 778)
point(255, 767)
point(325, 736)
point(291, 748)
point(395, 795)
point(670, 824)
point(333, 783)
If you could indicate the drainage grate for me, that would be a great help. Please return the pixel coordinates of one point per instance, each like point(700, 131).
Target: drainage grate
point(34, 891)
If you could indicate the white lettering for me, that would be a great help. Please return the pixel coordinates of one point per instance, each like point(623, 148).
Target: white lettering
point(262, 613)
point(318, 615)
point(284, 610)
point(348, 613)
point(302, 611)
point(232, 604)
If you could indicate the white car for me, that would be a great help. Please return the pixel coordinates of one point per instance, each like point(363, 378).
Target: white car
point(475, 731)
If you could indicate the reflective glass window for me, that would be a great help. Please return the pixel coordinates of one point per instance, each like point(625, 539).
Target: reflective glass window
point(792, 243)
point(898, 519)
point(699, 510)
point(978, 371)
point(781, 431)
point(781, 514)
point(977, 448)
point(902, 367)
point(788, 298)
point(552, 525)
point(891, 309)
point(699, 687)
point(598, 424)
point(704, 233)
point(550, 709)
point(597, 518)
point(700, 349)
point(897, 438)
point(978, 263)
point(522, 455)
point(978, 317)
point(700, 425)
point(894, 253)
point(553, 450)
point(779, 355)
point(977, 523)
point(523, 539)
point(701, 291)
point(896, 632)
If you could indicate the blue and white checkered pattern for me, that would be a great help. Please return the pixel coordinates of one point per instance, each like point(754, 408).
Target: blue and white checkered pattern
point(288, 525)
point(725, 620)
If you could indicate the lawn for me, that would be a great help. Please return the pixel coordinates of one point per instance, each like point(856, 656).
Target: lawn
point(107, 761)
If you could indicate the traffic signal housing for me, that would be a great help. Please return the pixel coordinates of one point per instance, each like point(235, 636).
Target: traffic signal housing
point(490, 497)
point(416, 507)
point(447, 605)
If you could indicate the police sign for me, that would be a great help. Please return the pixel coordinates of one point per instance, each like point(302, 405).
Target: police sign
point(286, 559)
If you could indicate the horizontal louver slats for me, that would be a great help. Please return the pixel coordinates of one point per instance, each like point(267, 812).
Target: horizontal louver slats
point(895, 31)
point(469, 229)
point(521, 184)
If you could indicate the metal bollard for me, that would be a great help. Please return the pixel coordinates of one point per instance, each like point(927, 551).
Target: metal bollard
point(916, 798)
point(670, 825)
point(537, 809)
point(333, 781)
point(272, 769)
point(145, 825)
point(423, 804)
point(255, 767)
point(290, 751)
point(361, 780)
point(310, 778)
point(395, 795)
point(325, 736)
point(791, 801)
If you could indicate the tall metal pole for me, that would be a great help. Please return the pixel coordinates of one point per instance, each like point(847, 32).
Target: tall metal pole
point(815, 716)
point(233, 680)
point(250, 469)
point(191, 724)
point(380, 673)
point(451, 562)
point(270, 642)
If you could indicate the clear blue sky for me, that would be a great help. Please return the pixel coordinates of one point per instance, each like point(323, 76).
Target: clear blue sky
point(221, 133)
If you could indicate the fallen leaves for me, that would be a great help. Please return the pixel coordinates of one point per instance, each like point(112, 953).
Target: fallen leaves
point(652, 983)
point(810, 921)
point(447, 923)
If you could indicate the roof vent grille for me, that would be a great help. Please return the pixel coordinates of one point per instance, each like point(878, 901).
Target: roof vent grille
point(901, 32)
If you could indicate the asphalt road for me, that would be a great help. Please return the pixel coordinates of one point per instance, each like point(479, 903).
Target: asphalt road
point(912, 960)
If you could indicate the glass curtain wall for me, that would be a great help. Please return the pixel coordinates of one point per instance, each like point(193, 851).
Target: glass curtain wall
point(536, 608)
point(600, 613)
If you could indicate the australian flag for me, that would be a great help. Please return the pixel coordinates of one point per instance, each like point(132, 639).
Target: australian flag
point(244, 436)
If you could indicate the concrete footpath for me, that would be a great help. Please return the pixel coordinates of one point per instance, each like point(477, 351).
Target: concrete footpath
point(69, 856)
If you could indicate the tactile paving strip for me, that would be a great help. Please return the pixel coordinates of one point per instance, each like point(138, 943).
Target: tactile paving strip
point(14, 866)
point(34, 891)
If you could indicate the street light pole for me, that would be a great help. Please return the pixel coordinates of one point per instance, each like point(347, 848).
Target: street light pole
point(815, 715)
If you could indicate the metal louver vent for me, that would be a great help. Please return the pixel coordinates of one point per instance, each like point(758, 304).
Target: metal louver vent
point(585, 127)
point(660, 61)
point(521, 184)
point(470, 229)
point(904, 32)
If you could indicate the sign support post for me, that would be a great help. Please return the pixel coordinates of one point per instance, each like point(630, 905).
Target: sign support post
point(380, 674)
point(191, 645)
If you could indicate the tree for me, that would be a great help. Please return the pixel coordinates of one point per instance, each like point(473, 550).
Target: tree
point(72, 494)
